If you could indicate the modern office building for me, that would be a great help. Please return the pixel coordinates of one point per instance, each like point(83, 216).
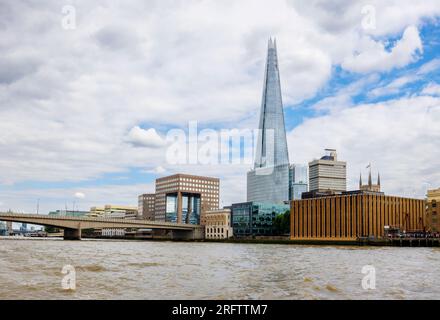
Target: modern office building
point(69, 213)
point(353, 215)
point(268, 181)
point(186, 198)
point(255, 218)
point(328, 174)
point(432, 210)
point(146, 206)
point(298, 181)
point(218, 224)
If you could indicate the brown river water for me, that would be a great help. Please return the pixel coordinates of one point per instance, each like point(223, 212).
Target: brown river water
point(31, 269)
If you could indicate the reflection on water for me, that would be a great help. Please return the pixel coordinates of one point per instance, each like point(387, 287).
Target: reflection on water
point(31, 269)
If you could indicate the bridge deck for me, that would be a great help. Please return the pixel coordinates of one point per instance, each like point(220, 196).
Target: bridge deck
point(89, 222)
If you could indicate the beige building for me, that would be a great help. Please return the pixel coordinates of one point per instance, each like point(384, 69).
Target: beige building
point(432, 210)
point(96, 212)
point(186, 198)
point(114, 212)
point(327, 173)
point(218, 224)
point(146, 204)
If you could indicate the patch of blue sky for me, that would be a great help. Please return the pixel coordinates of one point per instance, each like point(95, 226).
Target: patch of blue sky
point(129, 177)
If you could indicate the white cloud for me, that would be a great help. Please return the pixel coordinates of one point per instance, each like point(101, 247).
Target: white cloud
point(373, 56)
point(79, 195)
point(393, 87)
point(145, 138)
point(432, 89)
point(159, 170)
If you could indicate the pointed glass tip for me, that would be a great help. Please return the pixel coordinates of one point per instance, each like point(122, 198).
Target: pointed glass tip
point(272, 43)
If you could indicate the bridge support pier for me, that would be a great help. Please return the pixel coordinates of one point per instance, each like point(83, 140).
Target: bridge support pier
point(72, 234)
point(195, 234)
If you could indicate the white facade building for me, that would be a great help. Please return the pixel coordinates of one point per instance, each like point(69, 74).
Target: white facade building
point(328, 174)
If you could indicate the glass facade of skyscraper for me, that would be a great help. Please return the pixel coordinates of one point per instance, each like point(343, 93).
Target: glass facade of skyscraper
point(269, 179)
point(255, 218)
point(298, 180)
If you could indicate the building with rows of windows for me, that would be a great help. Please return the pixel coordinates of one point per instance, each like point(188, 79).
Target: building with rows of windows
point(218, 224)
point(182, 198)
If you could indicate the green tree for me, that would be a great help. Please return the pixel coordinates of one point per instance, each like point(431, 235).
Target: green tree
point(281, 223)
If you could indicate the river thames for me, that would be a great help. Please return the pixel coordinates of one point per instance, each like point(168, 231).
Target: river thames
point(31, 269)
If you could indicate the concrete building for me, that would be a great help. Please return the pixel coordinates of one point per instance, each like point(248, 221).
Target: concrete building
point(146, 204)
point(114, 212)
point(218, 224)
point(328, 174)
point(353, 215)
point(432, 210)
point(120, 212)
point(255, 218)
point(268, 181)
point(186, 198)
point(96, 212)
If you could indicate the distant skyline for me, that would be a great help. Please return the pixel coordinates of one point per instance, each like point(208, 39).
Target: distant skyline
point(84, 111)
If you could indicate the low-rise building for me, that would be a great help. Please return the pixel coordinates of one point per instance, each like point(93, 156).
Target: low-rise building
point(432, 210)
point(96, 212)
point(69, 213)
point(114, 212)
point(218, 224)
point(353, 215)
point(255, 218)
point(113, 232)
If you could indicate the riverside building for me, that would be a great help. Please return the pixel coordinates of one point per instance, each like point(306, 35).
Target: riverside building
point(182, 198)
point(432, 210)
point(218, 224)
point(255, 218)
point(354, 215)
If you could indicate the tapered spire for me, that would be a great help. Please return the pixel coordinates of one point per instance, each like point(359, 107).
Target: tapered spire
point(378, 179)
point(370, 182)
point(272, 141)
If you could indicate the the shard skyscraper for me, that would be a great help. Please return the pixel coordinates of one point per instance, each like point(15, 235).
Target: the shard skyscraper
point(268, 181)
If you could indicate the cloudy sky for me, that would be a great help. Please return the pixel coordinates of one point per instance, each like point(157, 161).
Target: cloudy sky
point(89, 91)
